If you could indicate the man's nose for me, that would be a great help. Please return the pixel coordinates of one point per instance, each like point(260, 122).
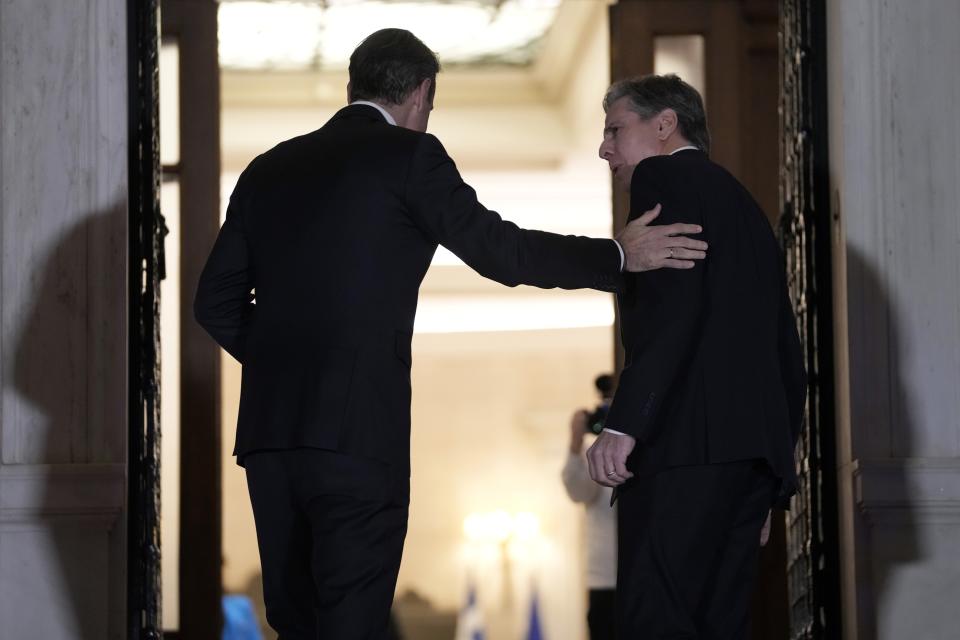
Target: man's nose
point(605, 150)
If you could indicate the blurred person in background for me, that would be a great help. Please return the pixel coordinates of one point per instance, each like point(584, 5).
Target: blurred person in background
point(601, 517)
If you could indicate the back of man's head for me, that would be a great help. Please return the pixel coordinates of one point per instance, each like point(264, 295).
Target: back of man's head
point(388, 65)
point(651, 94)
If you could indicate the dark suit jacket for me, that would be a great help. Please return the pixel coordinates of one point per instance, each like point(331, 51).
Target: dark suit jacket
point(714, 369)
point(334, 230)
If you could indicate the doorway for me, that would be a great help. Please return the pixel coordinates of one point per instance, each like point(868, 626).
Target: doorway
point(190, 535)
point(516, 128)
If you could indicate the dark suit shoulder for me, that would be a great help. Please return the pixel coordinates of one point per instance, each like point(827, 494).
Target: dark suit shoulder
point(692, 173)
point(655, 163)
point(733, 199)
point(368, 123)
point(687, 163)
point(427, 145)
point(365, 146)
point(670, 181)
point(697, 167)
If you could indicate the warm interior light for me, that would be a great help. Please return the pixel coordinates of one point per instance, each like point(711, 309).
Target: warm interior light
point(298, 35)
point(269, 35)
point(526, 526)
point(512, 312)
point(500, 526)
point(473, 527)
point(684, 56)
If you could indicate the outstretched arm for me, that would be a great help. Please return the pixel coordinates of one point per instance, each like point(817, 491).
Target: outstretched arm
point(445, 208)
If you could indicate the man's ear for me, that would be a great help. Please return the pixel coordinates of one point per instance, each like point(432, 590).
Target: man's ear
point(423, 94)
point(349, 93)
point(667, 123)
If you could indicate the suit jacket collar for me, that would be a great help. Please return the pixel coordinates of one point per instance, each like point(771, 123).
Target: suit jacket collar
point(361, 111)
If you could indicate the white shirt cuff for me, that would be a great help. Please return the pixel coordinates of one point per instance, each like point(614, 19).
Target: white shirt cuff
point(622, 257)
point(619, 433)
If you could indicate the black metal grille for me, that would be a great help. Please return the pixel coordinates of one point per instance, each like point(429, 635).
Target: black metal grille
point(812, 569)
point(146, 270)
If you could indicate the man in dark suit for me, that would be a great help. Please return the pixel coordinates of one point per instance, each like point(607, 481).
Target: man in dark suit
point(702, 429)
point(333, 231)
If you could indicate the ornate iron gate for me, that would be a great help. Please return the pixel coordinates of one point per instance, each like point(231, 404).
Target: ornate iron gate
point(146, 271)
point(812, 527)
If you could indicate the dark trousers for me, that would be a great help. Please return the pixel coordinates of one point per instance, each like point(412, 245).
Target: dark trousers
point(330, 529)
point(600, 615)
point(688, 543)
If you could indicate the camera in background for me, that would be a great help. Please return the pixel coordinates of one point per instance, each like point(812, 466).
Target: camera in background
point(598, 417)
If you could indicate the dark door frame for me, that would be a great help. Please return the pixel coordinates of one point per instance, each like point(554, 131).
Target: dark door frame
point(145, 272)
point(193, 23)
point(813, 562)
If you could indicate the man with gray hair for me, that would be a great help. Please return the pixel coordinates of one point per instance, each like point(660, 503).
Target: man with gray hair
point(700, 435)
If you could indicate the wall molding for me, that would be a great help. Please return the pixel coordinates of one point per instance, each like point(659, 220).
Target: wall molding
point(93, 494)
point(890, 491)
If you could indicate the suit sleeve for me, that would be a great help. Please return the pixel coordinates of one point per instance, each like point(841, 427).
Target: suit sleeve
point(676, 299)
point(224, 303)
point(793, 371)
point(445, 208)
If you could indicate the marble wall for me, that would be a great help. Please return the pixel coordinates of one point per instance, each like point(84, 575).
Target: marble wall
point(63, 275)
point(895, 174)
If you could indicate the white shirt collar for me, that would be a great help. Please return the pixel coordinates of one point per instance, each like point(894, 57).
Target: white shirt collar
point(689, 146)
point(386, 114)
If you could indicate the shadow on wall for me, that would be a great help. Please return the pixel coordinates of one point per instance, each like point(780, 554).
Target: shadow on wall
point(68, 373)
point(886, 532)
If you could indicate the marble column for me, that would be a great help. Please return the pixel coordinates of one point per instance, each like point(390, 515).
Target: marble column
point(895, 172)
point(63, 316)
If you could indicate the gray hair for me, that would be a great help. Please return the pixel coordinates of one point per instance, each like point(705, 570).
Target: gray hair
point(649, 95)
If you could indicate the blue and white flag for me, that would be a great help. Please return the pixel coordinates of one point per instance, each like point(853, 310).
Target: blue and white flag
point(534, 631)
point(239, 620)
point(470, 620)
